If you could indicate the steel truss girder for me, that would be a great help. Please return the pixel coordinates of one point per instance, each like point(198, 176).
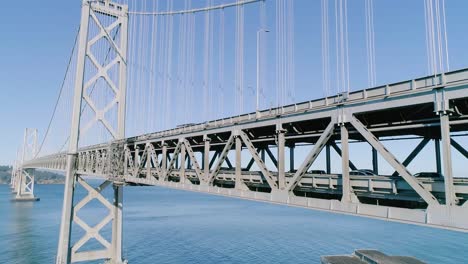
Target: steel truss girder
point(450, 198)
point(194, 161)
point(174, 158)
point(347, 191)
point(414, 153)
point(313, 154)
point(154, 160)
point(213, 159)
point(137, 162)
point(266, 173)
point(142, 162)
point(250, 164)
point(221, 159)
point(130, 161)
point(459, 147)
point(271, 156)
point(375, 143)
point(302, 113)
point(338, 151)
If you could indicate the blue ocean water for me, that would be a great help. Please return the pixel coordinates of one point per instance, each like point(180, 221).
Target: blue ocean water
point(172, 226)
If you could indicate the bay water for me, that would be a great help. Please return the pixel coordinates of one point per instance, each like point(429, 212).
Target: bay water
point(173, 226)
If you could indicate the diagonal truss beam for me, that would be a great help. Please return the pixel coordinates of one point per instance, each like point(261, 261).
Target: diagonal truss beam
point(194, 161)
point(154, 160)
point(413, 154)
point(459, 147)
point(252, 160)
point(272, 157)
point(221, 159)
point(228, 163)
point(174, 158)
point(312, 156)
point(142, 162)
point(338, 151)
point(213, 159)
point(266, 173)
point(413, 182)
point(131, 163)
point(250, 164)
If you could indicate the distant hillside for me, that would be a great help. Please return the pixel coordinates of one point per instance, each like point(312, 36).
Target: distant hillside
point(5, 174)
point(41, 177)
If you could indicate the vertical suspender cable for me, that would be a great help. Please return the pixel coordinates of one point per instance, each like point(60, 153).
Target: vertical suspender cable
point(436, 36)
point(239, 58)
point(154, 33)
point(221, 63)
point(370, 43)
point(144, 74)
point(439, 35)
point(325, 54)
point(291, 61)
point(169, 66)
point(263, 52)
point(427, 22)
point(337, 50)
point(445, 37)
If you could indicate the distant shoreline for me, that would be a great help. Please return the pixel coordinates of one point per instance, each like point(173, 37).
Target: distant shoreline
point(38, 183)
point(41, 177)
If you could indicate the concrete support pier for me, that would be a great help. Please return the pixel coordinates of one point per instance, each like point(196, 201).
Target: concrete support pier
point(25, 198)
point(369, 256)
point(25, 187)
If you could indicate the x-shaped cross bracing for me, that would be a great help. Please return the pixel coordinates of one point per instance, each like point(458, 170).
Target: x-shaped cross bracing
point(102, 73)
point(92, 232)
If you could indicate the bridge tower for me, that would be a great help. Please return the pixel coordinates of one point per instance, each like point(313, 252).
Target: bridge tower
point(23, 179)
point(13, 172)
point(110, 22)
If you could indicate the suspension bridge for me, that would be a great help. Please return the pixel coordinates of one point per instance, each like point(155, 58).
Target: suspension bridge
point(149, 100)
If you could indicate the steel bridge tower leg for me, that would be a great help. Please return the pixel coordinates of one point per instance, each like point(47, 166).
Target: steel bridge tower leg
point(68, 252)
point(14, 173)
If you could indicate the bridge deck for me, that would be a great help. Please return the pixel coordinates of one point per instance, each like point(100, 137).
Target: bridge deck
point(405, 109)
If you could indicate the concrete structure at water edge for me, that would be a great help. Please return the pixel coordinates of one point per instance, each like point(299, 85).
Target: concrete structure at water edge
point(368, 256)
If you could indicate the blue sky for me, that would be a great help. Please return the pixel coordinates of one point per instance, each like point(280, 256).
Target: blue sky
point(37, 37)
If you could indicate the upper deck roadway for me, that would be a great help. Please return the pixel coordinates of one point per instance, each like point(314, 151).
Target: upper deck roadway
point(195, 157)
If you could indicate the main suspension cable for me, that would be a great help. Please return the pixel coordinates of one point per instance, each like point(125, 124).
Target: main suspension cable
point(60, 93)
point(196, 10)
